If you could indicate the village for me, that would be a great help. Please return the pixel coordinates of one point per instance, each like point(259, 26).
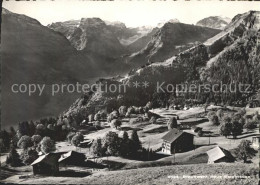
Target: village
point(156, 138)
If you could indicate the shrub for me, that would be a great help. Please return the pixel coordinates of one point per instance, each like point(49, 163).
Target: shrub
point(112, 143)
point(97, 124)
point(29, 155)
point(122, 110)
point(213, 118)
point(47, 145)
point(250, 124)
point(200, 133)
point(115, 123)
point(115, 114)
point(24, 142)
point(36, 139)
point(172, 123)
point(244, 151)
point(130, 110)
point(226, 129)
point(96, 148)
point(237, 128)
point(76, 139)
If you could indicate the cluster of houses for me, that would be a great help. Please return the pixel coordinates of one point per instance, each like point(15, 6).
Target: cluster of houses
point(176, 141)
point(49, 164)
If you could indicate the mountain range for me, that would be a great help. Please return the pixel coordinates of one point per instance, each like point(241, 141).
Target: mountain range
point(230, 57)
point(88, 49)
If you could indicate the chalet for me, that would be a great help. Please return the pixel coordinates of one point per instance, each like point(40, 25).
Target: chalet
point(255, 142)
point(177, 141)
point(46, 164)
point(71, 158)
point(219, 154)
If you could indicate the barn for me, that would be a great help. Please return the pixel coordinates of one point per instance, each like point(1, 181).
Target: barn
point(177, 141)
point(46, 164)
point(72, 158)
point(219, 154)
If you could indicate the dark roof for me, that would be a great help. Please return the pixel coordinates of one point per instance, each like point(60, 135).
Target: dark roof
point(73, 154)
point(50, 158)
point(173, 134)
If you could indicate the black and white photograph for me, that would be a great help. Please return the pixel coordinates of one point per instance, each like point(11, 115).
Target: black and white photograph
point(130, 92)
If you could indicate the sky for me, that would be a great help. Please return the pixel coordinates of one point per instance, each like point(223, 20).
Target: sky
point(132, 13)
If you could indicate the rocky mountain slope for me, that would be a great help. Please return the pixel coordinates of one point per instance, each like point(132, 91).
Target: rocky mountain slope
point(110, 39)
point(34, 54)
point(216, 22)
point(169, 40)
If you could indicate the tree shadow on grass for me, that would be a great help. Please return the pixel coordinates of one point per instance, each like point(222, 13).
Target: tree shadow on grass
point(129, 128)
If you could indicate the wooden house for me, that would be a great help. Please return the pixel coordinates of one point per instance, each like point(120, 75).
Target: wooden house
point(46, 164)
point(177, 141)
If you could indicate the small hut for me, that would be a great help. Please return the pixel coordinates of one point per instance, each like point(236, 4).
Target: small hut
point(219, 154)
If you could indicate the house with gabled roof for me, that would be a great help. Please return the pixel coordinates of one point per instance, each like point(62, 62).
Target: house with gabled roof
point(219, 154)
point(46, 164)
point(177, 141)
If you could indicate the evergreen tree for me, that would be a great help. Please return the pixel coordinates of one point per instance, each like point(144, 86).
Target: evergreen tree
point(13, 158)
point(96, 148)
point(125, 145)
point(47, 145)
point(135, 144)
point(6, 139)
point(225, 129)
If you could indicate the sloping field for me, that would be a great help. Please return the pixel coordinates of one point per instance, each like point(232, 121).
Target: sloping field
point(184, 174)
